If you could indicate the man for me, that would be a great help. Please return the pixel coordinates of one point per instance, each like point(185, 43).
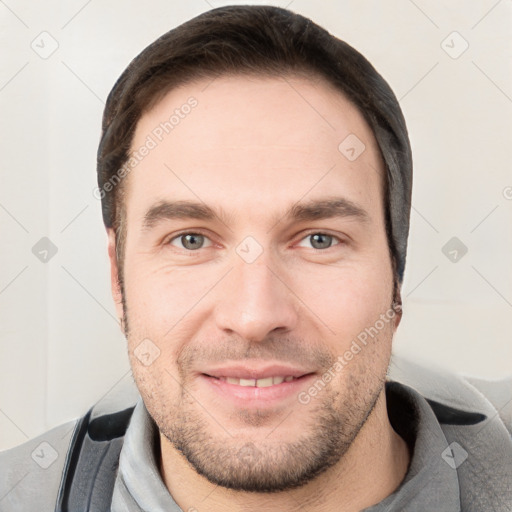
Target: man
point(255, 175)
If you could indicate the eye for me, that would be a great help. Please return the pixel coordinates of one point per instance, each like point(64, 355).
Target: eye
point(190, 241)
point(320, 241)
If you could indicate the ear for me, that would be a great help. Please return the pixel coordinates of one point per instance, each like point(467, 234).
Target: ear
point(114, 275)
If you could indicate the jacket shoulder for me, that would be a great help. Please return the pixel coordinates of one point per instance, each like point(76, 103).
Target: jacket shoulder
point(461, 392)
point(475, 417)
point(30, 473)
point(499, 394)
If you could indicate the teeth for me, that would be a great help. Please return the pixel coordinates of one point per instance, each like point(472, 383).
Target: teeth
point(260, 383)
point(265, 383)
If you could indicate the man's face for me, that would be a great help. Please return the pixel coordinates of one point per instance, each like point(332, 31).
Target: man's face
point(279, 282)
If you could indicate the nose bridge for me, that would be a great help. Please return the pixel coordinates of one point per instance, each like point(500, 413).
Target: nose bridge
point(253, 301)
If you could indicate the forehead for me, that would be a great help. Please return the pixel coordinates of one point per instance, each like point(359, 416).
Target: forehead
point(240, 141)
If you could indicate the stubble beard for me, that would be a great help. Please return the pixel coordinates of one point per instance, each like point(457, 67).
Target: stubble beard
point(263, 466)
point(329, 425)
point(242, 464)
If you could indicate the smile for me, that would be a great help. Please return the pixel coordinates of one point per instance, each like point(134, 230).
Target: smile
point(258, 383)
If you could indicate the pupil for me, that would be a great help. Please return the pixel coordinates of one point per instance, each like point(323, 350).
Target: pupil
point(320, 241)
point(192, 241)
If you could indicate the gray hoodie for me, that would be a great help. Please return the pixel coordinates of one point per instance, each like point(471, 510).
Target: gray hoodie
point(459, 430)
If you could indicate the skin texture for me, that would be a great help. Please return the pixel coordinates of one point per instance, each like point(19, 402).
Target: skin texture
point(252, 148)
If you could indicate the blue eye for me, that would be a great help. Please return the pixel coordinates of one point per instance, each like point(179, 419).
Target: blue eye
point(190, 241)
point(320, 240)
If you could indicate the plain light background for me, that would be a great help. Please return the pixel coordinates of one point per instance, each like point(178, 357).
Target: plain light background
point(61, 347)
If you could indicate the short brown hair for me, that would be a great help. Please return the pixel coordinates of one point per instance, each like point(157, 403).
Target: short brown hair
point(261, 40)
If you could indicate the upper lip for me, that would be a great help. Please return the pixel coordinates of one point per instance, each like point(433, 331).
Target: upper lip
point(246, 371)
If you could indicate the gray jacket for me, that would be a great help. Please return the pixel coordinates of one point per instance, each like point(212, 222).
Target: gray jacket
point(73, 467)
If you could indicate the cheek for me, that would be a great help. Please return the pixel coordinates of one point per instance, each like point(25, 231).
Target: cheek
point(157, 384)
point(153, 363)
point(348, 299)
point(158, 297)
point(359, 312)
point(165, 306)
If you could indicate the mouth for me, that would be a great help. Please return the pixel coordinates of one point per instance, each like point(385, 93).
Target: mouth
point(264, 382)
point(258, 386)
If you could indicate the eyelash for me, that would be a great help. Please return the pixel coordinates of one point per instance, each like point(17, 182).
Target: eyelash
point(334, 237)
point(179, 235)
point(199, 232)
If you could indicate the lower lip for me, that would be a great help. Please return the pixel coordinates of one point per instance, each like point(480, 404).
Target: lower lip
point(253, 396)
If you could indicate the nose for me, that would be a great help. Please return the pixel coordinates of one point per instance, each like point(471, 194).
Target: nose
point(254, 301)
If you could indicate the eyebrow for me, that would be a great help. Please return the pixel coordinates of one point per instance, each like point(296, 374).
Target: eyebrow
point(312, 210)
point(326, 209)
point(176, 210)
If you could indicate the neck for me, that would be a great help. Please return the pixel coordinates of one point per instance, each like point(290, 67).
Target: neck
point(372, 468)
